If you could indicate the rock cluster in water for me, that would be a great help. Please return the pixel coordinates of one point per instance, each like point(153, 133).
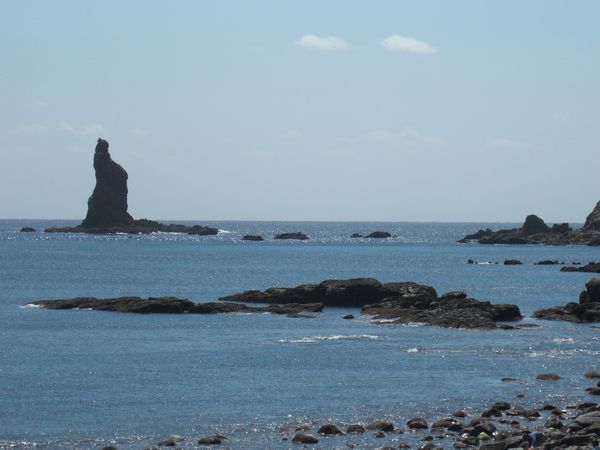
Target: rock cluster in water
point(107, 206)
point(586, 310)
point(399, 303)
point(535, 231)
point(501, 426)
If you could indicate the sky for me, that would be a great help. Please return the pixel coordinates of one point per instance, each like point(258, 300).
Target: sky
point(313, 110)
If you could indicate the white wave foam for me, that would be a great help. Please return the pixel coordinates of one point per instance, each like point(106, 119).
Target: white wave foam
point(415, 350)
point(31, 306)
point(563, 340)
point(336, 337)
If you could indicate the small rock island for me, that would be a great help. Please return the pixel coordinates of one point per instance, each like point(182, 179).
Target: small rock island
point(107, 206)
point(535, 231)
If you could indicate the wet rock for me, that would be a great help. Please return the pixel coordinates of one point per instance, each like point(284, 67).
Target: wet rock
point(379, 434)
point(348, 316)
point(508, 379)
point(355, 429)
point(109, 447)
point(302, 438)
point(170, 305)
point(27, 230)
point(170, 442)
point(592, 267)
point(512, 262)
point(215, 439)
point(356, 235)
point(547, 262)
point(296, 235)
point(443, 423)
point(491, 413)
point(382, 425)
point(329, 429)
point(592, 374)
point(501, 406)
point(417, 423)
point(459, 413)
point(252, 237)
point(458, 295)
point(379, 235)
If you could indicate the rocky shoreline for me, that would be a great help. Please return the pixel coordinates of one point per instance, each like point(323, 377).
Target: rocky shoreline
point(535, 231)
point(504, 424)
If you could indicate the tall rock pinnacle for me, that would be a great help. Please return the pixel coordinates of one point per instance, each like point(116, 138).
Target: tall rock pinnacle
point(592, 222)
point(107, 206)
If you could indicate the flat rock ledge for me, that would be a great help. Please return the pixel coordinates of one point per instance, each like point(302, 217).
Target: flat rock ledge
point(140, 226)
point(396, 303)
point(587, 310)
point(172, 305)
point(535, 231)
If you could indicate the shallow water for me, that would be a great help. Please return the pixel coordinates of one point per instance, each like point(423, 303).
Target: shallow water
point(83, 379)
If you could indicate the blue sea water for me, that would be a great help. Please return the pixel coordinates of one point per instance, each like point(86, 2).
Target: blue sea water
point(85, 379)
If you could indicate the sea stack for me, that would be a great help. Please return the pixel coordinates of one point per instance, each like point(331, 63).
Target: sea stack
point(107, 206)
point(592, 222)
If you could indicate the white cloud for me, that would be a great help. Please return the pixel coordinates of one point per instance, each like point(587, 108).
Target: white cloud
point(138, 132)
point(407, 44)
point(93, 129)
point(508, 144)
point(34, 128)
point(407, 136)
point(292, 135)
point(322, 43)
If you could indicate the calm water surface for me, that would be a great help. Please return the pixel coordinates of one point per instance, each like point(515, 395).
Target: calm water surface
point(84, 379)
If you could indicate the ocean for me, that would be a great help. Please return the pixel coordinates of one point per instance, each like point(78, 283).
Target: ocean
point(87, 379)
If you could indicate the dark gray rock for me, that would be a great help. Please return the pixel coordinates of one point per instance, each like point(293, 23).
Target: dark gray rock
point(252, 237)
point(302, 438)
point(296, 235)
point(211, 440)
point(382, 425)
point(329, 429)
point(355, 429)
point(172, 305)
point(592, 222)
point(512, 262)
point(27, 230)
point(379, 235)
point(592, 267)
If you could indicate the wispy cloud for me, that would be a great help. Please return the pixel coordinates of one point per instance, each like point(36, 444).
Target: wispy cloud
point(407, 44)
point(34, 128)
point(292, 135)
point(138, 132)
point(93, 129)
point(322, 43)
point(404, 137)
point(508, 144)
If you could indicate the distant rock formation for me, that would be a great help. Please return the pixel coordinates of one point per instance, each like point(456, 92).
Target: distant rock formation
point(252, 237)
point(586, 310)
point(27, 230)
point(107, 206)
point(535, 231)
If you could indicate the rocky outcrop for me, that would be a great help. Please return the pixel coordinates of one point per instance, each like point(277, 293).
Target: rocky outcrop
point(400, 303)
point(453, 313)
point(296, 235)
point(535, 231)
point(27, 230)
point(107, 206)
point(592, 222)
point(379, 235)
point(252, 237)
point(171, 305)
point(592, 267)
point(586, 310)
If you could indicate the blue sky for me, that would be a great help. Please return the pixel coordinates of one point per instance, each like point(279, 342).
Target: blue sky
point(273, 110)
